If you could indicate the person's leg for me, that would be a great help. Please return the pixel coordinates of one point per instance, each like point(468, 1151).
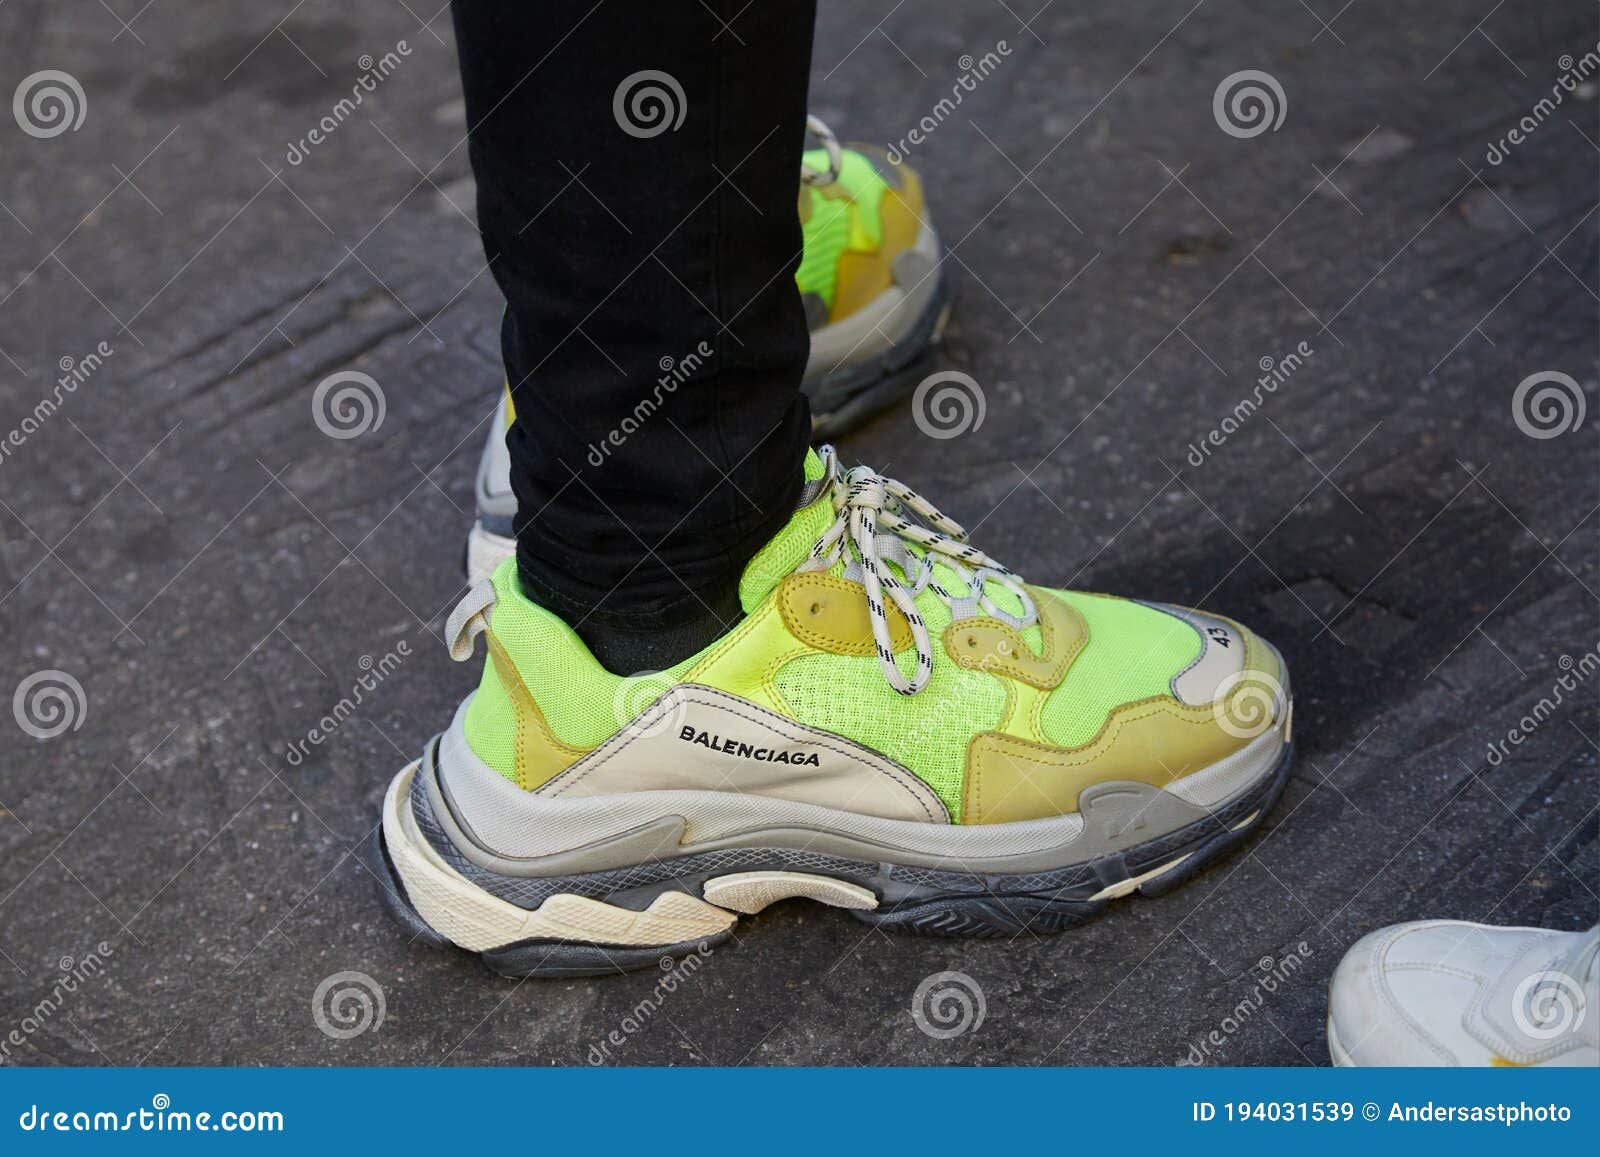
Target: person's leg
point(654, 338)
point(899, 726)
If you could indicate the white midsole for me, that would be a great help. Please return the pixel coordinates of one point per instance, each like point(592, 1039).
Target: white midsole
point(465, 914)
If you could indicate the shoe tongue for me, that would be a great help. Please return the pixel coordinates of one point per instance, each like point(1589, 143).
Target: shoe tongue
point(789, 547)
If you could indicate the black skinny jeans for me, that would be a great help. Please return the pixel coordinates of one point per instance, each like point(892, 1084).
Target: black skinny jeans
point(653, 337)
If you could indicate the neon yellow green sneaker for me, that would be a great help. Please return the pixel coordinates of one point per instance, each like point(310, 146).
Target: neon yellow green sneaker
point(899, 726)
point(876, 291)
point(876, 295)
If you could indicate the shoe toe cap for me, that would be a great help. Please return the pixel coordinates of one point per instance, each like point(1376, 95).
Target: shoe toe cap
point(1398, 995)
point(1237, 673)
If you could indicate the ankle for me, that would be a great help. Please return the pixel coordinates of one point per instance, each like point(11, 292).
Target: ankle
point(630, 641)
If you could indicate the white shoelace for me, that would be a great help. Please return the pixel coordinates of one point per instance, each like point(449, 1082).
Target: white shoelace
point(871, 526)
point(818, 129)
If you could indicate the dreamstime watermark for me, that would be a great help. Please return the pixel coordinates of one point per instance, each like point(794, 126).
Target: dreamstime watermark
point(635, 698)
point(1270, 975)
point(1574, 75)
point(974, 71)
point(1574, 673)
point(347, 1004)
point(971, 692)
point(48, 103)
point(49, 703)
point(1274, 373)
point(348, 404)
point(75, 371)
point(160, 1117)
point(649, 103)
point(1548, 404)
point(948, 404)
point(374, 672)
point(948, 1005)
point(674, 974)
point(1549, 1004)
point(1248, 103)
point(373, 73)
point(673, 375)
point(1248, 703)
point(73, 974)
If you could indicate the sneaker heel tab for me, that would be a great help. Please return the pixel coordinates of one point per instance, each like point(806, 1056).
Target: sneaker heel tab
point(469, 620)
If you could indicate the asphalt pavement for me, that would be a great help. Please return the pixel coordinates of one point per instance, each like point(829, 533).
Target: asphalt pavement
point(1132, 258)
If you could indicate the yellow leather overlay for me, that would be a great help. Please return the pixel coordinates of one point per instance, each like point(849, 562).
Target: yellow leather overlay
point(830, 614)
point(1154, 741)
point(540, 756)
point(866, 273)
point(990, 645)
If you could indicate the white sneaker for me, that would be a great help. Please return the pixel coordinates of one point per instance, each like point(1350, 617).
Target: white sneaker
point(1446, 992)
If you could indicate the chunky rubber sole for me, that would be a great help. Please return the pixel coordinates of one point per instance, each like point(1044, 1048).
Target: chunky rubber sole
point(645, 914)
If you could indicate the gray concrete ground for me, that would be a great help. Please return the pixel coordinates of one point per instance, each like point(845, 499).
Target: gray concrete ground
point(216, 574)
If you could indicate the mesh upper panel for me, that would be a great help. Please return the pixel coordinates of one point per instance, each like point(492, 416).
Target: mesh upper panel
point(776, 561)
point(927, 733)
point(1133, 653)
point(491, 724)
point(584, 704)
point(832, 227)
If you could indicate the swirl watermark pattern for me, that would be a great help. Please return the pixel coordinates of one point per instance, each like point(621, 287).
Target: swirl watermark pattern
point(347, 1004)
point(1548, 404)
point(649, 103)
point(49, 703)
point(1248, 103)
point(948, 1005)
point(1247, 703)
point(948, 404)
point(635, 697)
point(1548, 1004)
point(48, 103)
point(348, 404)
